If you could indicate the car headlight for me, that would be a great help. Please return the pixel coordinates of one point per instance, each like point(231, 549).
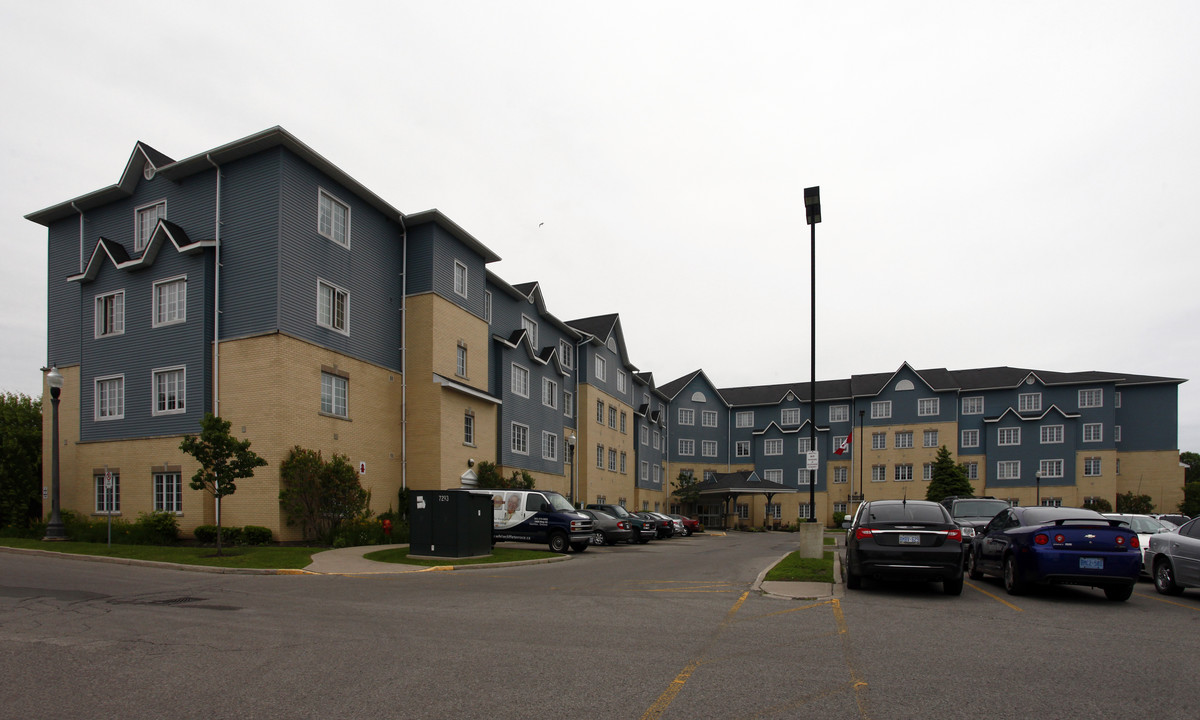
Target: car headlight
point(968, 532)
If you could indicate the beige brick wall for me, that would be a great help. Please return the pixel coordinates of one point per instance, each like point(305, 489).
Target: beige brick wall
point(1157, 474)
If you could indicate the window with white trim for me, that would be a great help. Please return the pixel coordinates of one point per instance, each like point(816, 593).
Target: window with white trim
point(1008, 436)
point(549, 445)
point(549, 393)
point(108, 500)
point(469, 427)
point(805, 511)
point(601, 367)
point(742, 448)
point(168, 492)
point(879, 441)
point(775, 476)
point(110, 314)
point(839, 507)
point(1117, 400)
point(565, 355)
point(708, 418)
point(972, 470)
point(460, 366)
point(970, 438)
point(904, 472)
point(487, 306)
point(334, 393)
point(774, 511)
point(930, 439)
point(460, 279)
point(656, 470)
point(1091, 467)
point(789, 416)
point(600, 411)
point(520, 380)
point(708, 448)
point(568, 403)
point(170, 388)
point(928, 406)
point(687, 416)
point(1091, 398)
point(839, 413)
point(904, 439)
point(655, 439)
point(599, 456)
point(1093, 432)
point(840, 474)
point(881, 409)
point(745, 419)
point(773, 446)
point(1052, 434)
point(803, 445)
point(1116, 433)
point(519, 438)
point(612, 459)
point(927, 471)
point(802, 476)
point(110, 397)
point(1008, 470)
point(1029, 402)
point(333, 218)
point(879, 473)
point(170, 302)
point(687, 447)
point(972, 405)
point(644, 435)
point(1051, 468)
point(643, 471)
point(333, 307)
point(624, 422)
point(623, 463)
point(612, 417)
point(145, 220)
point(530, 326)
point(622, 381)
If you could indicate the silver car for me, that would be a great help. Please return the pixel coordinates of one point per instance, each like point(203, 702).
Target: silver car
point(1174, 559)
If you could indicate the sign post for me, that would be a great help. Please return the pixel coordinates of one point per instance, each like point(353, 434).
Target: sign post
point(108, 505)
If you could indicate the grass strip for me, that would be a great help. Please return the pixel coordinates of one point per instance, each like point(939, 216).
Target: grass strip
point(238, 556)
point(499, 555)
point(801, 569)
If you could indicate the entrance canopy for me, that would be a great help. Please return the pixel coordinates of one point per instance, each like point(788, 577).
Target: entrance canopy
point(728, 487)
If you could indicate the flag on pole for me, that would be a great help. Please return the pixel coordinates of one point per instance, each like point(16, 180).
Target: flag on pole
point(845, 444)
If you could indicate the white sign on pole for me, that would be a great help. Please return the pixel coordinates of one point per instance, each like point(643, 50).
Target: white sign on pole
point(812, 459)
point(107, 480)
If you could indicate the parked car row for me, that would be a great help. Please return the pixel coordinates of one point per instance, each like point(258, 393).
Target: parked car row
point(642, 525)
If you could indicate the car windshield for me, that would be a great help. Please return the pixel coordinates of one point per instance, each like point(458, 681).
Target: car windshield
point(558, 502)
point(907, 512)
point(978, 508)
point(619, 511)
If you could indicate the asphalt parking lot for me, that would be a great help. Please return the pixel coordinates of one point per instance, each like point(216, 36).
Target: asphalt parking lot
point(671, 629)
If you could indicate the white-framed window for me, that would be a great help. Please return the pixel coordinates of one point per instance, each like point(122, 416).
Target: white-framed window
point(460, 366)
point(775, 476)
point(741, 448)
point(1052, 434)
point(1093, 432)
point(623, 463)
point(773, 446)
point(789, 416)
point(745, 419)
point(1051, 502)
point(601, 367)
point(168, 492)
point(805, 511)
point(110, 397)
point(460, 279)
point(568, 403)
point(687, 416)
point(972, 405)
point(333, 307)
point(774, 511)
point(881, 409)
point(549, 393)
point(879, 473)
point(145, 219)
point(565, 355)
point(743, 511)
point(469, 427)
point(333, 218)
point(1117, 400)
point(1116, 433)
point(839, 507)
point(972, 470)
point(930, 439)
point(1091, 398)
point(927, 471)
point(643, 471)
point(519, 438)
point(644, 435)
point(1029, 402)
point(622, 381)
point(612, 459)
point(1008, 470)
point(549, 445)
point(656, 471)
point(656, 439)
point(687, 447)
point(904, 439)
point(1051, 468)
point(803, 445)
point(170, 301)
point(1008, 436)
point(487, 306)
point(840, 474)
point(879, 441)
point(110, 314)
point(600, 411)
point(708, 418)
point(839, 413)
point(928, 406)
point(612, 417)
point(334, 392)
point(904, 472)
point(802, 476)
point(970, 438)
point(600, 456)
point(624, 422)
point(530, 326)
point(708, 448)
point(108, 500)
point(520, 380)
point(1091, 467)
point(170, 388)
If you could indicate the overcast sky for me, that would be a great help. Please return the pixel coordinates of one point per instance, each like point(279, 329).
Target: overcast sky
point(1002, 184)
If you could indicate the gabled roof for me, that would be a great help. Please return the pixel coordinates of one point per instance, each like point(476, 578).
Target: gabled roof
point(520, 339)
point(601, 328)
point(1031, 417)
point(773, 394)
point(115, 252)
point(531, 292)
point(743, 482)
point(788, 431)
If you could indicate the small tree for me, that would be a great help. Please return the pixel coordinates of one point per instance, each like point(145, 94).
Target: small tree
point(319, 496)
point(223, 460)
point(488, 476)
point(20, 458)
point(1099, 504)
point(949, 478)
point(1191, 499)
point(1137, 504)
point(686, 489)
point(1192, 460)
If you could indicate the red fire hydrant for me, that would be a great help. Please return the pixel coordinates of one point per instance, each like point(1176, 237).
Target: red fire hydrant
point(387, 531)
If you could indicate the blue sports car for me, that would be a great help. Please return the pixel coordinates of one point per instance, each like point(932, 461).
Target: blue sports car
point(1065, 546)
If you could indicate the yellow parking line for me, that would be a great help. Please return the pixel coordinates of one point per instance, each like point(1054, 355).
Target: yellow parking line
point(998, 599)
point(1169, 602)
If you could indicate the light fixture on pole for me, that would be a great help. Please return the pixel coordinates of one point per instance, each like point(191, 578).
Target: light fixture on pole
point(571, 452)
point(54, 528)
point(812, 212)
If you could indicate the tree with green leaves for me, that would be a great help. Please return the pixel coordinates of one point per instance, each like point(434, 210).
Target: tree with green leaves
point(223, 461)
point(1137, 504)
point(20, 459)
point(1192, 460)
point(686, 488)
point(487, 476)
point(320, 495)
point(1191, 499)
point(1100, 505)
point(949, 478)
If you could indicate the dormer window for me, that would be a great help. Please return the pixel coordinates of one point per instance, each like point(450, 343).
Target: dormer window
point(145, 220)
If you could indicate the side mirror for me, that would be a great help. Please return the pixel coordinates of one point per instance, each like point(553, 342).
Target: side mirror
point(846, 524)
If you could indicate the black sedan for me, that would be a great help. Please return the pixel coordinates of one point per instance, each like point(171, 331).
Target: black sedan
point(1064, 546)
point(904, 540)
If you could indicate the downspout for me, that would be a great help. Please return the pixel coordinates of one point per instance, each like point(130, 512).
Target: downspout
point(403, 357)
point(216, 373)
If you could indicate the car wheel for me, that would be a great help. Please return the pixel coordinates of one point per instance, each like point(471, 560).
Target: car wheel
point(687, 532)
point(973, 567)
point(1013, 583)
point(953, 587)
point(580, 546)
point(1119, 593)
point(598, 538)
point(558, 542)
point(1164, 578)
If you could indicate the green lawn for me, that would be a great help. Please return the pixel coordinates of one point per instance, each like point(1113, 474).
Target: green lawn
point(262, 557)
point(800, 569)
point(499, 554)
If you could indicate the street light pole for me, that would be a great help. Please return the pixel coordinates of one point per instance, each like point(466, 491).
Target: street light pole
point(571, 445)
point(812, 212)
point(1038, 479)
point(54, 529)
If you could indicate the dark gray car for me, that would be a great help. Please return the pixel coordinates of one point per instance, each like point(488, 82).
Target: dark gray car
point(608, 530)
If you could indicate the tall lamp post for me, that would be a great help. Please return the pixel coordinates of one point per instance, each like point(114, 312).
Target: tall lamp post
point(54, 529)
point(1038, 479)
point(571, 450)
point(812, 211)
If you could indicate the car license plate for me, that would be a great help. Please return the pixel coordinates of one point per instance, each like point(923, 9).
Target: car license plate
point(1091, 563)
point(910, 539)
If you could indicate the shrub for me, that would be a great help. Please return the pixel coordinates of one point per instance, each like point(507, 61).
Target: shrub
point(838, 519)
point(156, 528)
point(257, 535)
point(207, 535)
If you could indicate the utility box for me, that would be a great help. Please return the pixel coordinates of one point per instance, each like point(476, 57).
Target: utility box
point(449, 523)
